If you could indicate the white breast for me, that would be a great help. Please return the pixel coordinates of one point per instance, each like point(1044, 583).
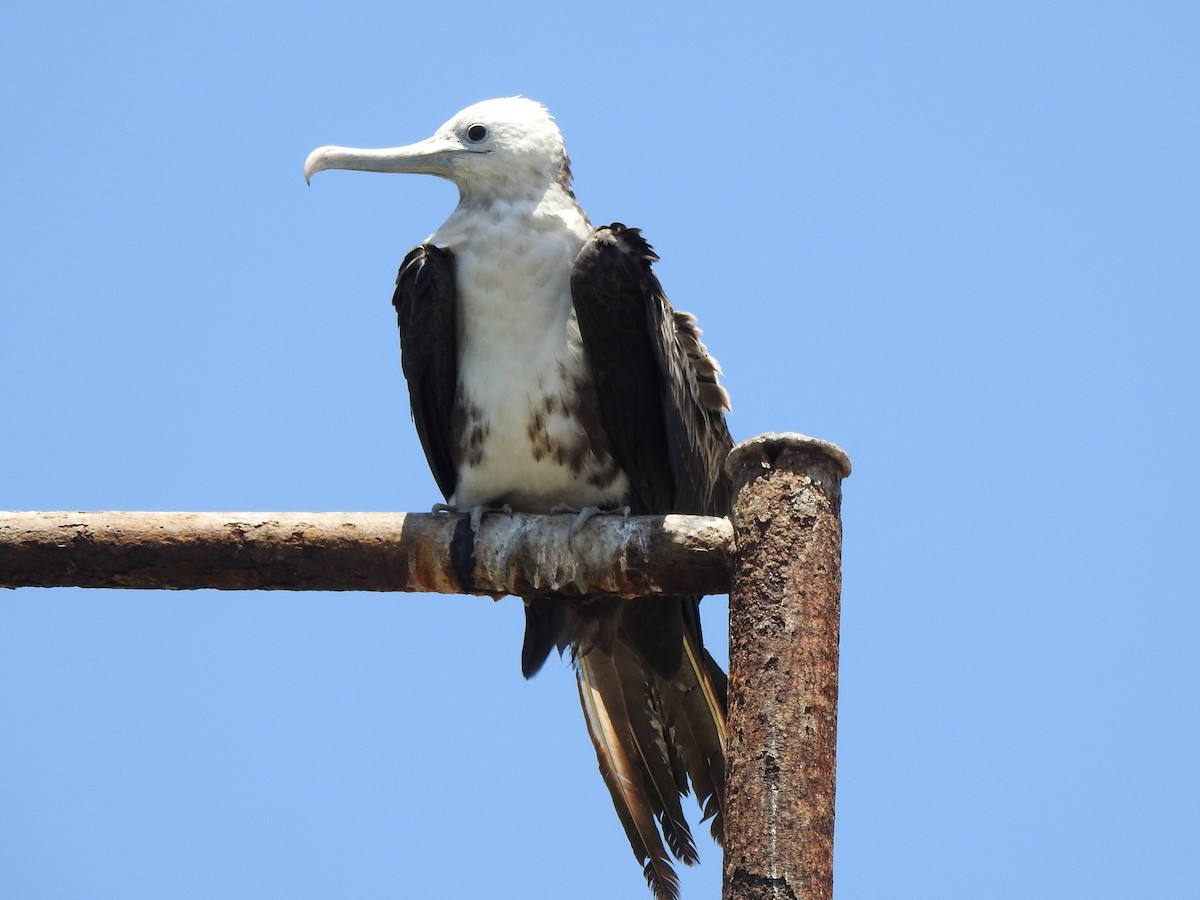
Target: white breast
point(520, 358)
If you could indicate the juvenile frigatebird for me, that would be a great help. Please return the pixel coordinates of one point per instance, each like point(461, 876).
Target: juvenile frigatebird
point(547, 371)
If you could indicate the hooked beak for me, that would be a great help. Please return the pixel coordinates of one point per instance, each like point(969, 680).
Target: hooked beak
point(432, 156)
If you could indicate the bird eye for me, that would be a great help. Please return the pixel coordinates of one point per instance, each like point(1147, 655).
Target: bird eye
point(477, 133)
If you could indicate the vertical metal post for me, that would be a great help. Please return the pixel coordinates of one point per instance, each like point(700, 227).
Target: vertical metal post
point(784, 611)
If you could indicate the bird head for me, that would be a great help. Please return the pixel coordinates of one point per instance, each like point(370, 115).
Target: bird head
point(508, 148)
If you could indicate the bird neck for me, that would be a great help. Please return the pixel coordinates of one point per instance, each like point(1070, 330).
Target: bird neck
point(479, 216)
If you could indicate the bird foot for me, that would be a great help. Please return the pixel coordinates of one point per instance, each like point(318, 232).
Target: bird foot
point(478, 512)
point(585, 515)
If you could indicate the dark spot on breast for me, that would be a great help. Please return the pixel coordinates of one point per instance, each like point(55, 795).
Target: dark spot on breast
point(536, 432)
point(472, 428)
point(603, 478)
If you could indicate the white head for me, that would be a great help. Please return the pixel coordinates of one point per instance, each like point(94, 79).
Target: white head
point(504, 149)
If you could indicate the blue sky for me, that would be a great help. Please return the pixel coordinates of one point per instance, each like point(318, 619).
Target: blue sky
point(960, 240)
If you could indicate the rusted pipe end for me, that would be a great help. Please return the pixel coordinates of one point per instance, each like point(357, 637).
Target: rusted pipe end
point(762, 451)
point(784, 625)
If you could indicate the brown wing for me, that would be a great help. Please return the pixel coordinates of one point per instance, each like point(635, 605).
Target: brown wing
point(425, 302)
point(659, 395)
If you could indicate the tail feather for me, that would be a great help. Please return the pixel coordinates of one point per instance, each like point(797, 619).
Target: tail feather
point(695, 712)
point(654, 702)
point(664, 774)
point(623, 778)
point(652, 735)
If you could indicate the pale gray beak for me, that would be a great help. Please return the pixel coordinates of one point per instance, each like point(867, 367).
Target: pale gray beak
point(432, 156)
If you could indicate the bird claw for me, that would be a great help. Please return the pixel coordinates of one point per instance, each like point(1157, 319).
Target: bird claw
point(478, 512)
point(585, 515)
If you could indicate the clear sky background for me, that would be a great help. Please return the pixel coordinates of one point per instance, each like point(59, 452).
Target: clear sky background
point(958, 239)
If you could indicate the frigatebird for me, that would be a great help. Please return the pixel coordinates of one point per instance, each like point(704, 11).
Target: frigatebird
point(547, 371)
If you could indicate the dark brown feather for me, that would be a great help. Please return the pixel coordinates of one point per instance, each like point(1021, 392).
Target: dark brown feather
point(664, 773)
point(607, 719)
point(660, 399)
point(695, 714)
point(425, 302)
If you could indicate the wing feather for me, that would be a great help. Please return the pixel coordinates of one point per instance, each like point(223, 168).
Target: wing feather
point(659, 395)
point(425, 302)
